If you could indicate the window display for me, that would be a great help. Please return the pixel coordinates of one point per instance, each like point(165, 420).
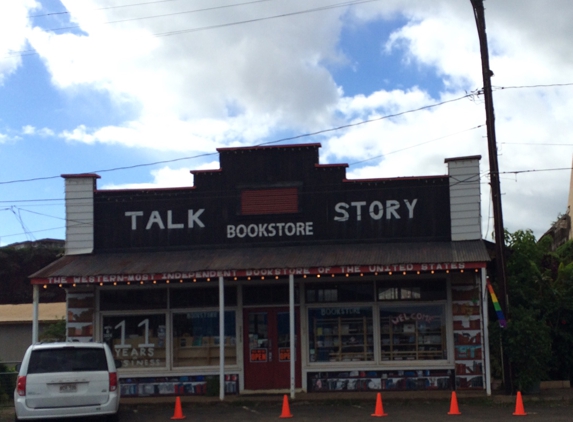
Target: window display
point(196, 340)
point(339, 292)
point(412, 290)
point(201, 297)
point(132, 299)
point(341, 334)
point(259, 337)
point(136, 340)
point(413, 333)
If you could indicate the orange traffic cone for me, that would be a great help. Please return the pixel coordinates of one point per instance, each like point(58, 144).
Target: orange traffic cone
point(379, 411)
point(286, 409)
point(519, 410)
point(454, 409)
point(178, 414)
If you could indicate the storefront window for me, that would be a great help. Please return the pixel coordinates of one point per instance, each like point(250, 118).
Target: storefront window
point(138, 341)
point(343, 292)
point(268, 294)
point(201, 297)
point(340, 334)
point(413, 333)
point(411, 290)
point(131, 299)
point(196, 339)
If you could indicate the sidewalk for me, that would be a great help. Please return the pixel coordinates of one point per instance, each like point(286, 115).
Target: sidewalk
point(550, 395)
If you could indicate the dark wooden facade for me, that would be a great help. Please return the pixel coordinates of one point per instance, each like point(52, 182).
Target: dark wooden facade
point(273, 195)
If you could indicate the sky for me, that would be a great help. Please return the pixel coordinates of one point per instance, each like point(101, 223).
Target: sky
point(142, 91)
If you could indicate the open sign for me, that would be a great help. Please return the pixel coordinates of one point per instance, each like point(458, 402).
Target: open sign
point(258, 355)
point(284, 354)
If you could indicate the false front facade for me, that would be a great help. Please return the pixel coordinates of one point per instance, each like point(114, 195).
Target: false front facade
point(277, 273)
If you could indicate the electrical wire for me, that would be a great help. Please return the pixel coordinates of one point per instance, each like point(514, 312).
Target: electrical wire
point(283, 15)
point(500, 88)
point(105, 8)
point(206, 9)
point(290, 138)
point(534, 143)
point(412, 146)
point(535, 171)
point(23, 53)
point(157, 200)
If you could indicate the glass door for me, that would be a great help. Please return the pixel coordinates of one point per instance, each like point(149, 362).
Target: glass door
point(267, 349)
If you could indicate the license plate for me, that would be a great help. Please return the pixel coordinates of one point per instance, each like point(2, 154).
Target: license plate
point(68, 388)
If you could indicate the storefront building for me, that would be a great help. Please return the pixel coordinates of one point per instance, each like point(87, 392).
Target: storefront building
point(199, 290)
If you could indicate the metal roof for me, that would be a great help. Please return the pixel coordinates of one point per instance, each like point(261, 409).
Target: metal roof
point(100, 264)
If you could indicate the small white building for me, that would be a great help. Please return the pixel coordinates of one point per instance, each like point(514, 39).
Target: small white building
point(16, 326)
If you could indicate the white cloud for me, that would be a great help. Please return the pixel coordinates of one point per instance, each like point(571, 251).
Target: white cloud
point(13, 31)
point(250, 83)
point(269, 70)
point(165, 177)
point(31, 130)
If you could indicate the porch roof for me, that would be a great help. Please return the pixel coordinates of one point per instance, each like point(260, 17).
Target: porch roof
point(244, 261)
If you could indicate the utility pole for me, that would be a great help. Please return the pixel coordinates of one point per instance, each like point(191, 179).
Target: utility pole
point(494, 177)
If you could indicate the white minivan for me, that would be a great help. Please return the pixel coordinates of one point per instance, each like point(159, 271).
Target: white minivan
point(58, 380)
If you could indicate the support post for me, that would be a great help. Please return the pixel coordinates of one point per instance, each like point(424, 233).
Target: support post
point(292, 334)
point(485, 319)
point(221, 339)
point(36, 304)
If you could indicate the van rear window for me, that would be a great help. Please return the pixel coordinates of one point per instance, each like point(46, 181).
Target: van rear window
point(69, 359)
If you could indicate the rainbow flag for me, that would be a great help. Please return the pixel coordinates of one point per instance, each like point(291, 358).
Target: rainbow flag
point(496, 305)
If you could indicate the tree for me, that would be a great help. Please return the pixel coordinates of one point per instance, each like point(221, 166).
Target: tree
point(538, 339)
point(15, 267)
point(54, 332)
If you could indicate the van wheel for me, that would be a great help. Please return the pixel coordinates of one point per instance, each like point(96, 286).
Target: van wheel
point(113, 418)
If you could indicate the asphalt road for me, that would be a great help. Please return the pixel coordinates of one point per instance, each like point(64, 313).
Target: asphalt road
point(338, 411)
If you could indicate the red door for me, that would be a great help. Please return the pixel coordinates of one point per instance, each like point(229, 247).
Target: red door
point(267, 349)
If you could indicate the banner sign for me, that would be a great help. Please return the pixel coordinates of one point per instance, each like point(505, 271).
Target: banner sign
point(268, 272)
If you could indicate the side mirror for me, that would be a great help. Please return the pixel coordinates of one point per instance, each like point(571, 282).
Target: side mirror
point(18, 366)
point(117, 363)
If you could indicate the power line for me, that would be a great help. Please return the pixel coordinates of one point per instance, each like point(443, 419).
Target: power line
point(32, 200)
point(412, 146)
point(104, 8)
point(155, 200)
point(228, 195)
point(166, 14)
point(535, 170)
point(183, 31)
point(290, 138)
point(332, 6)
point(33, 231)
point(499, 88)
point(534, 143)
point(283, 15)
